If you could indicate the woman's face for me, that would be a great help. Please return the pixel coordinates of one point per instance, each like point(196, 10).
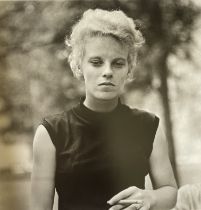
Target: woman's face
point(104, 67)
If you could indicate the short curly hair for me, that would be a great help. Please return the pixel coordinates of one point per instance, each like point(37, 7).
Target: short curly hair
point(100, 22)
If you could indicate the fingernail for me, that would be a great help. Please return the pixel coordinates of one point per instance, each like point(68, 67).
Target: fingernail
point(109, 202)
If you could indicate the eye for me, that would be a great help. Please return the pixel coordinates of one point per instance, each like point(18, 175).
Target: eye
point(119, 63)
point(96, 62)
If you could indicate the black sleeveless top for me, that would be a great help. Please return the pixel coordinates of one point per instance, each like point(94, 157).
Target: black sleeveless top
point(99, 154)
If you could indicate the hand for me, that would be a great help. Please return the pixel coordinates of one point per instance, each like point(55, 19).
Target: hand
point(132, 198)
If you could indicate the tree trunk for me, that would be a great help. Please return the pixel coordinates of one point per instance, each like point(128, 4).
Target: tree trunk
point(164, 93)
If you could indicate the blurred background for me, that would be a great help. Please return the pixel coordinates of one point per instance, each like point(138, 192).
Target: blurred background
point(35, 80)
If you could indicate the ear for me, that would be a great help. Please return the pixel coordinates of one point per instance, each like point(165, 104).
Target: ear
point(129, 75)
point(79, 74)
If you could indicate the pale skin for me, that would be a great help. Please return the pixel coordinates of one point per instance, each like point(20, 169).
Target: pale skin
point(105, 70)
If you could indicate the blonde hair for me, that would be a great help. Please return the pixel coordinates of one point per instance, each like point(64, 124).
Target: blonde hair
point(100, 22)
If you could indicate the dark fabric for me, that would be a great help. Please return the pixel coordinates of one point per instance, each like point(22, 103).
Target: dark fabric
point(99, 154)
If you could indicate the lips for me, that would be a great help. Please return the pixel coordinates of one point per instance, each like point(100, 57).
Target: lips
point(106, 84)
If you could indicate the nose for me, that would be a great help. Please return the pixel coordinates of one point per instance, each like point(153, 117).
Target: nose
point(107, 72)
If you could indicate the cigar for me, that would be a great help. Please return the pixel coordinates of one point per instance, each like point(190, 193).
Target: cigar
point(130, 201)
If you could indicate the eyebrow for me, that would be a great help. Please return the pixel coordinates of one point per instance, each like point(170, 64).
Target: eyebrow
point(122, 59)
point(94, 57)
point(98, 57)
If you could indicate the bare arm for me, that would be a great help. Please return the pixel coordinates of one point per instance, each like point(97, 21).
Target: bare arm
point(43, 173)
point(161, 173)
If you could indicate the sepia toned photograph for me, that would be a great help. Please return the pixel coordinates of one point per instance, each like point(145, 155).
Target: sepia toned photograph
point(100, 105)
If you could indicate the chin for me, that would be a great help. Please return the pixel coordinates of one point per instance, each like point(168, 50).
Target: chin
point(107, 96)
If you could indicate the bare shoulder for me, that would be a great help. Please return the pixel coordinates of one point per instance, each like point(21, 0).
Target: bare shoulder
point(42, 145)
point(42, 139)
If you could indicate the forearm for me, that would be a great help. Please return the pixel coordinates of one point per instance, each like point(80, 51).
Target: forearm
point(164, 198)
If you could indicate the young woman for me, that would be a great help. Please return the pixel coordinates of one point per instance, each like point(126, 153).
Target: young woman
point(98, 153)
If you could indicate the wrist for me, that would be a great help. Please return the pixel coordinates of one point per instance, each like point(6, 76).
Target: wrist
point(152, 199)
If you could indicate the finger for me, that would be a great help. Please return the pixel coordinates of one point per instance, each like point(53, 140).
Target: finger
point(117, 207)
point(130, 201)
point(123, 194)
point(132, 207)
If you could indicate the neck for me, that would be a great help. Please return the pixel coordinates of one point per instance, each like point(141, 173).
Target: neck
point(99, 105)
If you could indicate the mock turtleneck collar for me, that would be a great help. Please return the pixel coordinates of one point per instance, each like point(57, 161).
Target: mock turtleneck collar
point(92, 116)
